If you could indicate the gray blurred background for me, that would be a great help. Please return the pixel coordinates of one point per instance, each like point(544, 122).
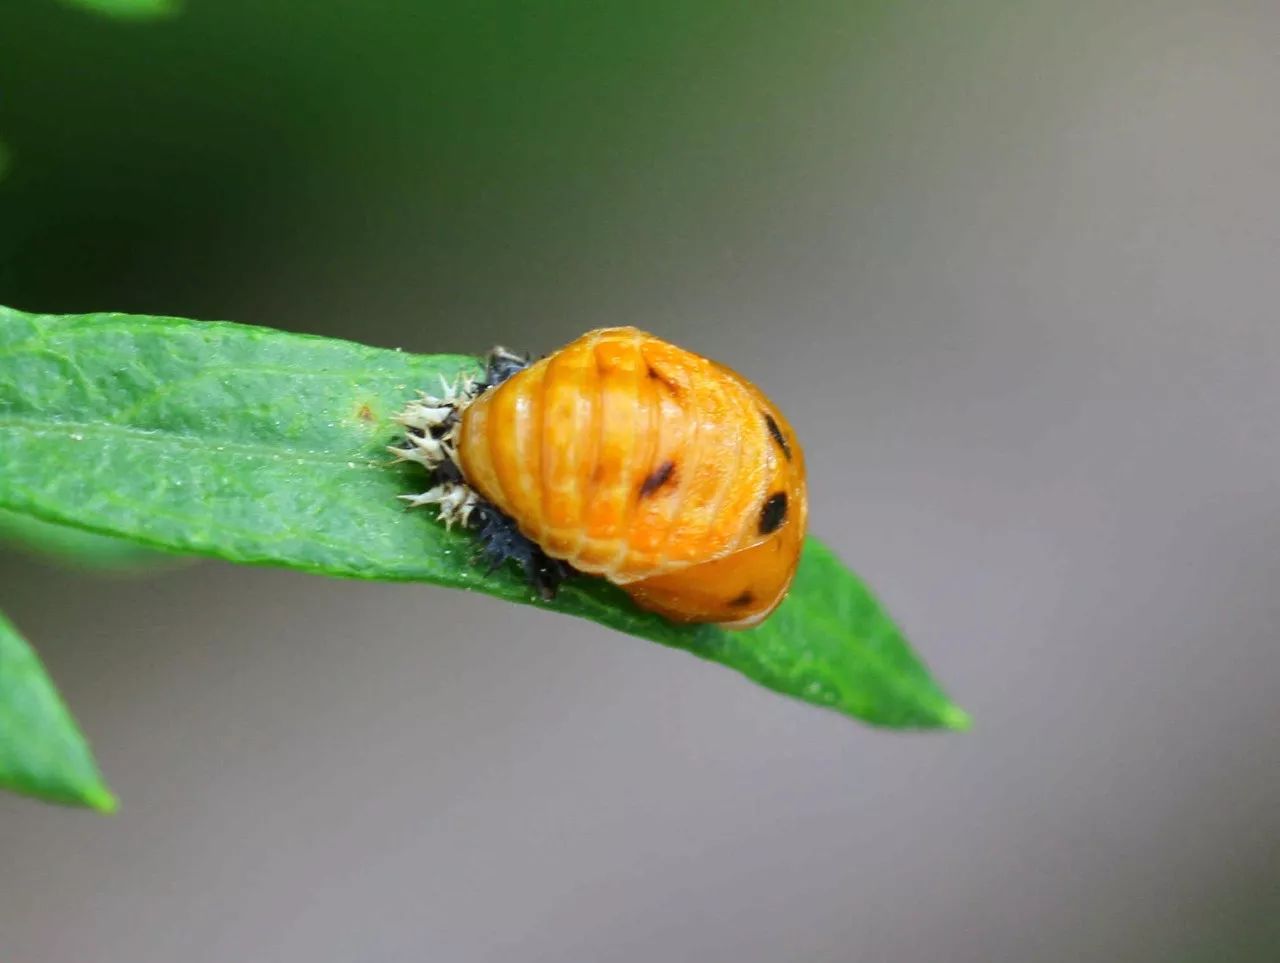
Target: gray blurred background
point(1011, 268)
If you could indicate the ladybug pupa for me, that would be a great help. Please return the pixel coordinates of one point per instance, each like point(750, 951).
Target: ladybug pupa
point(625, 457)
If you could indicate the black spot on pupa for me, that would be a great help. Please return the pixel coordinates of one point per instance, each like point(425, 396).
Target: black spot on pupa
point(773, 513)
point(742, 600)
point(664, 474)
point(776, 432)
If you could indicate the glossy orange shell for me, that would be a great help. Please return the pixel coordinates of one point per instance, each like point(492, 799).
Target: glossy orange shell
point(660, 470)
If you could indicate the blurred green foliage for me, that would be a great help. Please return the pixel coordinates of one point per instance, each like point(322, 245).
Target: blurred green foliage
point(129, 9)
point(468, 158)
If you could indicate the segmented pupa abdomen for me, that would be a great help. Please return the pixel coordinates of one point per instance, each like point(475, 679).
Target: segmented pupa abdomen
point(624, 455)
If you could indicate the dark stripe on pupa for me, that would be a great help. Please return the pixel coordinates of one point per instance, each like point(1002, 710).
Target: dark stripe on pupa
point(664, 474)
point(777, 434)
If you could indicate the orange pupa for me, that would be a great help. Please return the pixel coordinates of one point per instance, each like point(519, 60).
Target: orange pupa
point(628, 458)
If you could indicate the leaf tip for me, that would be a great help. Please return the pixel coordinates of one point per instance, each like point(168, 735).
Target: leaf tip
point(100, 798)
point(955, 719)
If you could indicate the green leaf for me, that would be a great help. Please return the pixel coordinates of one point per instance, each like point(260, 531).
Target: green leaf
point(257, 446)
point(129, 9)
point(42, 753)
point(76, 547)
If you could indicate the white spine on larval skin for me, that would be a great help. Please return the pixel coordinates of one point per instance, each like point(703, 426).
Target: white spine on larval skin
point(456, 500)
